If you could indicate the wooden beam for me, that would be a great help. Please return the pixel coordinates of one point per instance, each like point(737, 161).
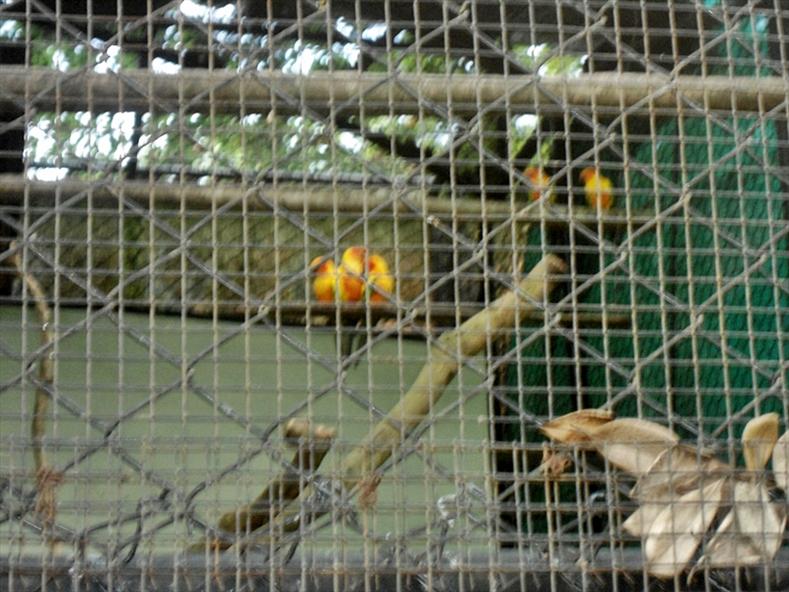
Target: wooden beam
point(441, 314)
point(225, 91)
point(17, 191)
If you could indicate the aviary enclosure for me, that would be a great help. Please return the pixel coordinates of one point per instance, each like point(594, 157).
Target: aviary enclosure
point(394, 295)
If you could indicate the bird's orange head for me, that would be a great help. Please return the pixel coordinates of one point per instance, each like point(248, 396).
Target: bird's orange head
point(377, 264)
point(536, 175)
point(539, 181)
point(588, 174)
point(320, 265)
point(354, 260)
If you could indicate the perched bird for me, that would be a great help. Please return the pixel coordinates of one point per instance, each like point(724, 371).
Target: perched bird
point(351, 287)
point(326, 277)
point(598, 189)
point(358, 276)
point(343, 282)
point(351, 272)
point(380, 281)
point(540, 183)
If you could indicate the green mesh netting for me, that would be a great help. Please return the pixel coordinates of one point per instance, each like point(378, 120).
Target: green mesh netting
point(720, 256)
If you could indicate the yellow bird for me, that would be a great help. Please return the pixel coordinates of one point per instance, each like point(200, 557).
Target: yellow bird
point(540, 183)
point(352, 281)
point(598, 189)
point(326, 278)
point(380, 282)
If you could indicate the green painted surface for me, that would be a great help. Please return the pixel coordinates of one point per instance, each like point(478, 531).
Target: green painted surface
point(708, 282)
point(184, 439)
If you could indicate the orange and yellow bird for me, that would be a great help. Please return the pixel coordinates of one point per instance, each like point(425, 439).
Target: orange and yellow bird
point(358, 276)
point(380, 282)
point(540, 183)
point(598, 189)
point(352, 276)
point(326, 277)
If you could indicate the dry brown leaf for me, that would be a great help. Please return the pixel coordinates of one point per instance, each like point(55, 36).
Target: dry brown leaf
point(629, 443)
point(554, 463)
point(723, 548)
point(677, 530)
point(640, 522)
point(759, 519)
point(781, 462)
point(758, 440)
point(633, 444)
point(675, 472)
point(751, 532)
point(575, 427)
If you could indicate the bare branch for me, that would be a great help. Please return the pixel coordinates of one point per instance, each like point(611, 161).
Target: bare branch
point(312, 443)
point(46, 478)
point(467, 340)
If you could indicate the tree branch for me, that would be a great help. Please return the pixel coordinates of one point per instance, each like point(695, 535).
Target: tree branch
point(467, 340)
point(46, 478)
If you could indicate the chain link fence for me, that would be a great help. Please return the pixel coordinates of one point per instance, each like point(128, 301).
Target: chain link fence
point(558, 360)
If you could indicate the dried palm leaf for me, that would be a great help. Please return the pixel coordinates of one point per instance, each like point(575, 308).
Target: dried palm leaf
point(675, 472)
point(554, 463)
point(640, 522)
point(758, 440)
point(751, 532)
point(677, 530)
point(681, 490)
point(576, 427)
point(781, 462)
point(633, 444)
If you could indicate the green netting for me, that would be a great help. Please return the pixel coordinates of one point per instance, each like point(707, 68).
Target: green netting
point(720, 257)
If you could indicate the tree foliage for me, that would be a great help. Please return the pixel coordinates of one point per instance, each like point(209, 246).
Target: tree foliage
point(207, 147)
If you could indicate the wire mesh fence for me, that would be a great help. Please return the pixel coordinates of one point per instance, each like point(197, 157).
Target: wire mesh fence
point(394, 295)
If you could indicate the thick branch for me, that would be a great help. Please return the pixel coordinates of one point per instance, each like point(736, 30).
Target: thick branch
point(312, 444)
point(467, 340)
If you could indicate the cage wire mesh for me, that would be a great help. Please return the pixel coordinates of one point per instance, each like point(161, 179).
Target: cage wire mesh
point(393, 295)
